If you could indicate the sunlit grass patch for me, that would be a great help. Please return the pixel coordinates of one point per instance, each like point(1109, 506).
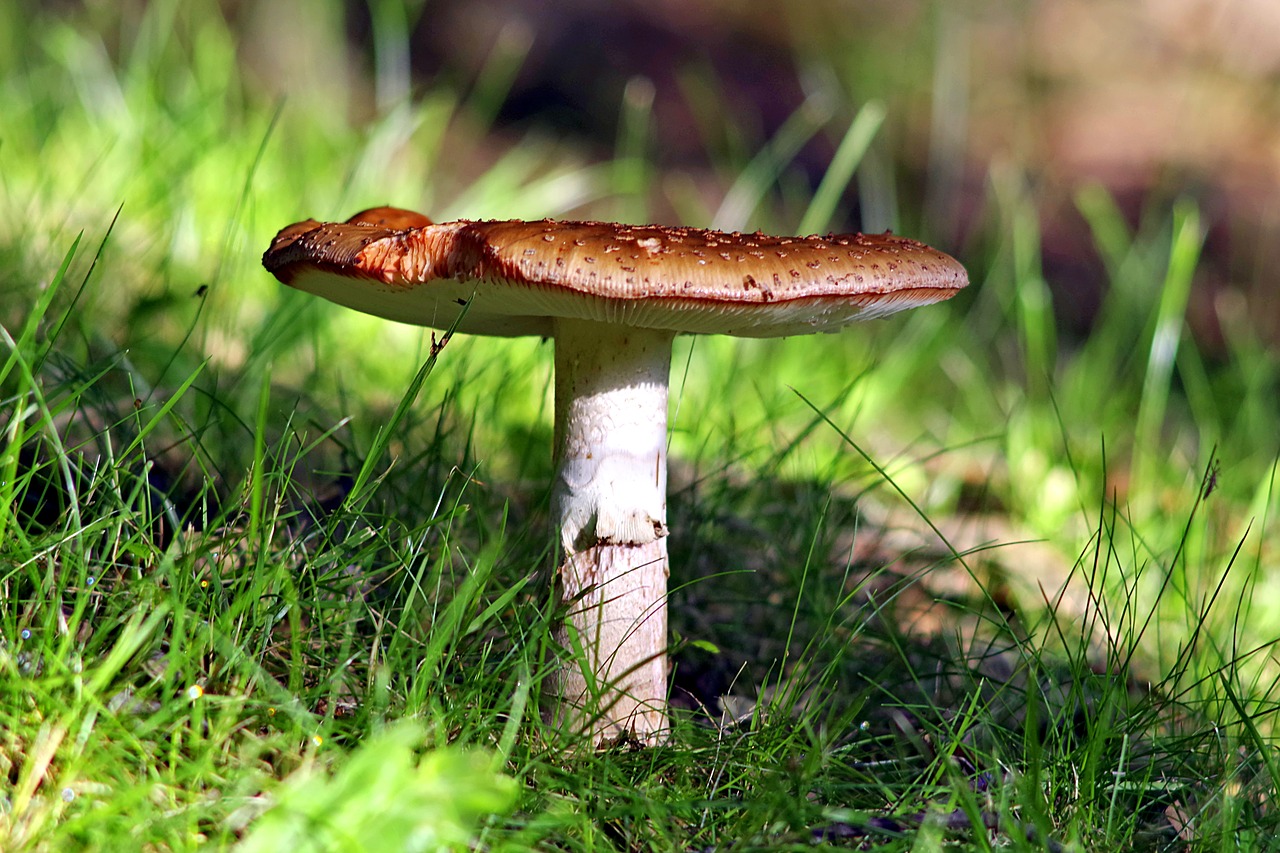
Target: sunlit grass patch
point(955, 577)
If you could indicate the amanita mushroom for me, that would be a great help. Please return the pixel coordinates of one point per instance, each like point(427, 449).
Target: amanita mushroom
point(613, 297)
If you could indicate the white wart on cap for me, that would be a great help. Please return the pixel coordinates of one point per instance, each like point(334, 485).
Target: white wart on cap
point(613, 297)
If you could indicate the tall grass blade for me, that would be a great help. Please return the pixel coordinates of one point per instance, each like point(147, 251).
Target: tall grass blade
point(498, 73)
point(857, 139)
point(359, 493)
point(1036, 324)
point(24, 342)
point(1184, 256)
point(751, 186)
point(631, 169)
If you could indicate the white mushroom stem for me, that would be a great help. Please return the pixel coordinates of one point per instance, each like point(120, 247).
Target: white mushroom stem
point(610, 503)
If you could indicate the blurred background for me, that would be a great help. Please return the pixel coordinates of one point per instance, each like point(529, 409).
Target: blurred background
point(1060, 148)
point(1149, 99)
point(1092, 423)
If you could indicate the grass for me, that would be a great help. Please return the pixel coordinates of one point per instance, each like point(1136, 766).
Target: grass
point(269, 574)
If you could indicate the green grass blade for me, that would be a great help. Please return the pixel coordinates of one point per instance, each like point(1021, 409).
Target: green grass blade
point(762, 172)
point(631, 168)
point(360, 488)
point(857, 139)
point(1184, 256)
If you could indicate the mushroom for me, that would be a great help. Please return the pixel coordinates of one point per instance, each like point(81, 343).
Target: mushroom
point(613, 297)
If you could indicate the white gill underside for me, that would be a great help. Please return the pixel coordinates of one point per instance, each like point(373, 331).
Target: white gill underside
point(506, 310)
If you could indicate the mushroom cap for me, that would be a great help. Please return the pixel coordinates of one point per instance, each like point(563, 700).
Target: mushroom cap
point(518, 277)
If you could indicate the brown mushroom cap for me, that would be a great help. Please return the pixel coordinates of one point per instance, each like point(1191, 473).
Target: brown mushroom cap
point(520, 276)
point(396, 218)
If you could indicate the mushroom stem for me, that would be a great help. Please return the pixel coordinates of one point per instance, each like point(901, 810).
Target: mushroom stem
point(611, 507)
